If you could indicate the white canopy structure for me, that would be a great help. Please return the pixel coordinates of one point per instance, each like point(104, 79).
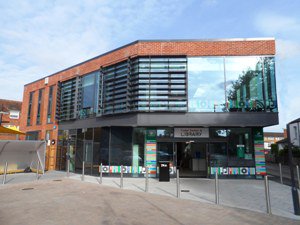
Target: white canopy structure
point(21, 155)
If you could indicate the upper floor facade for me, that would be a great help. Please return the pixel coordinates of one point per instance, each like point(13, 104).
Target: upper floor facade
point(201, 82)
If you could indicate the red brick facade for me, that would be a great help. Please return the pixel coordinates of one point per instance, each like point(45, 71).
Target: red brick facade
point(233, 47)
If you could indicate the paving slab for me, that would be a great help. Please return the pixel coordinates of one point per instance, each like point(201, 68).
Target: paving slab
point(69, 201)
point(239, 193)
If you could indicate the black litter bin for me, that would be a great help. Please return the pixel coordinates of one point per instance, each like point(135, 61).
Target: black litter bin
point(164, 171)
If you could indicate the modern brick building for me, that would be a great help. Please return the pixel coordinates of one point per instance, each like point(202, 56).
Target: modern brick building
point(201, 105)
point(10, 117)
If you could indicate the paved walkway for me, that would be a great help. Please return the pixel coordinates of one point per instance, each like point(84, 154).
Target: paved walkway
point(48, 202)
point(244, 194)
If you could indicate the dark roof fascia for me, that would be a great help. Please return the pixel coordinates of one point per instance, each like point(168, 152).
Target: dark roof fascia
point(295, 121)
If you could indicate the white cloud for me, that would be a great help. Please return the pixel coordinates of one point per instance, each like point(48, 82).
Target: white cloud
point(287, 48)
point(41, 37)
point(209, 2)
point(270, 23)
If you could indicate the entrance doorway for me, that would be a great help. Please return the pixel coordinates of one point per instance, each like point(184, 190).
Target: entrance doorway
point(191, 159)
point(88, 156)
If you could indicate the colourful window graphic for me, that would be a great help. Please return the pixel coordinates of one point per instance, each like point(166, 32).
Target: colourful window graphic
point(233, 170)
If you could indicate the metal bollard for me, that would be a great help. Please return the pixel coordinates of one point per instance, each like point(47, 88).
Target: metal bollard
point(37, 170)
point(217, 188)
point(68, 167)
point(121, 177)
point(280, 173)
point(100, 178)
point(82, 176)
point(297, 169)
point(178, 183)
point(147, 180)
point(267, 191)
point(5, 172)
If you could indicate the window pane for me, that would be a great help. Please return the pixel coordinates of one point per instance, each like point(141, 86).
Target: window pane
point(240, 147)
point(121, 146)
point(218, 154)
point(206, 84)
point(244, 89)
point(88, 88)
point(270, 84)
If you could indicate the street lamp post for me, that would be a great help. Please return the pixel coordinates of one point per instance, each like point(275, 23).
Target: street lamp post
point(295, 195)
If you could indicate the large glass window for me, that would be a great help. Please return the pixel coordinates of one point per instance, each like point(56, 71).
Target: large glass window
point(218, 154)
point(231, 147)
point(50, 101)
point(39, 109)
point(67, 100)
point(247, 84)
point(270, 84)
point(79, 150)
point(115, 88)
point(138, 143)
point(89, 93)
point(244, 90)
point(240, 147)
point(165, 152)
point(206, 85)
point(29, 113)
point(121, 146)
point(250, 84)
point(33, 135)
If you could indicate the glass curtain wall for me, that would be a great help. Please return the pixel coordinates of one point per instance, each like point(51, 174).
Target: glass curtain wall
point(158, 84)
point(121, 146)
point(138, 147)
point(232, 84)
point(231, 147)
point(89, 150)
point(89, 95)
point(206, 85)
point(110, 146)
point(244, 84)
point(115, 88)
point(67, 100)
point(79, 151)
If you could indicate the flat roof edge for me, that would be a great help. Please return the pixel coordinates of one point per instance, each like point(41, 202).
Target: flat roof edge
point(158, 40)
point(210, 40)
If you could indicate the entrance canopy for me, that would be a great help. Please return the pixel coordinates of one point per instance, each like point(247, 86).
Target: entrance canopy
point(21, 155)
point(4, 130)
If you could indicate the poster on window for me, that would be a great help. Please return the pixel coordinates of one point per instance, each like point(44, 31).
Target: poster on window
point(240, 151)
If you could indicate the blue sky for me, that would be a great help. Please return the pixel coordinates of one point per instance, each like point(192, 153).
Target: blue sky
point(38, 38)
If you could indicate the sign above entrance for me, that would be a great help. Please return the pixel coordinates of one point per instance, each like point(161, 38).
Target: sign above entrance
point(191, 132)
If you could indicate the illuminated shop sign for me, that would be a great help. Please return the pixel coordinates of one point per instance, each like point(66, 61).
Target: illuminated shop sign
point(191, 132)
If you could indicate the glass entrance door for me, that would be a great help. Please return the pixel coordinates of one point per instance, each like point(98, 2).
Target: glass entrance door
point(88, 156)
point(192, 159)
